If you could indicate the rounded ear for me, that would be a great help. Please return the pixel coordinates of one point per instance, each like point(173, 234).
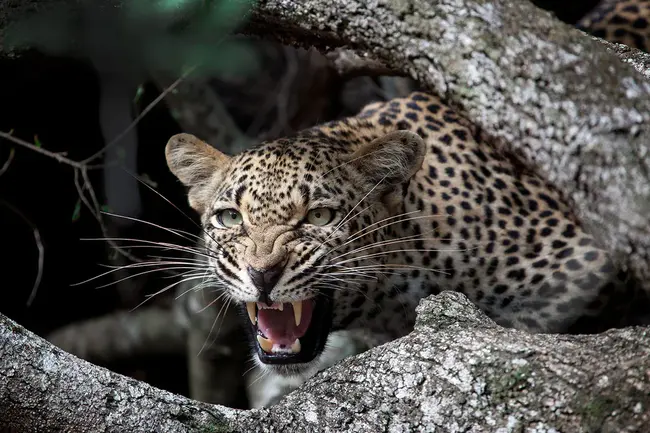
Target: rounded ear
point(392, 159)
point(196, 164)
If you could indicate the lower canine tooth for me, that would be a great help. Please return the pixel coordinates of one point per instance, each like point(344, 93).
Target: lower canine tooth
point(266, 345)
point(297, 312)
point(295, 347)
point(250, 307)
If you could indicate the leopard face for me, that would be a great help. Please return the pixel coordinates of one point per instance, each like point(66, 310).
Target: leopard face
point(282, 226)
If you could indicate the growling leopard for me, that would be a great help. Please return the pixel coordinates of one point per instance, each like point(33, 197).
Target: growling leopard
point(348, 225)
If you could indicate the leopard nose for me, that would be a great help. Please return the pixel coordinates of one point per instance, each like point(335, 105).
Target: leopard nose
point(265, 280)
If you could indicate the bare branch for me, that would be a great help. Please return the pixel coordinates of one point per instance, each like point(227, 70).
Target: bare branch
point(140, 116)
point(123, 335)
point(39, 246)
point(60, 157)
point(10, 158)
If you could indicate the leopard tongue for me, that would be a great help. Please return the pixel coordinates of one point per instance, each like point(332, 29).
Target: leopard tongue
point(279, 326)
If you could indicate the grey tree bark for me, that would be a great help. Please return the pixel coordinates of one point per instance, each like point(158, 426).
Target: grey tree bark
point(457, 371)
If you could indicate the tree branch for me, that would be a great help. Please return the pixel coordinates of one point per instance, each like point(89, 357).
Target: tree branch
point(457, 368)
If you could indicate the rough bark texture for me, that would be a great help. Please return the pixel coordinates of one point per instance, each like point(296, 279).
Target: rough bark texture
point(457, 371)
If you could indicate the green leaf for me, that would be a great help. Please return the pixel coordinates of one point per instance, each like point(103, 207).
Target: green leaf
point(138, 94)
point(76, 213)
point(37, 142)
point(105, 208)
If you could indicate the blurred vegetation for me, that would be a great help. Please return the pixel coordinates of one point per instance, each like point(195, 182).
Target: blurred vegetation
point(166, 36)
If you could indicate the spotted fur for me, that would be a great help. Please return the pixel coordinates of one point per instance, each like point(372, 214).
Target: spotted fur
point(620, 21)
point(417, 212)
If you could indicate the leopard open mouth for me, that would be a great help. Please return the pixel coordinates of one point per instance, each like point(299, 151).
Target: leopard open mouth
point(289, 332)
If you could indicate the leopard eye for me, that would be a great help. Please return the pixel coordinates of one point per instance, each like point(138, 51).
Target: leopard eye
point(228, 218)
point(320, 216)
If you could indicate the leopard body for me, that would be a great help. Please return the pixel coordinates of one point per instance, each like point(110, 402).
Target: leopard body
point(460, 216)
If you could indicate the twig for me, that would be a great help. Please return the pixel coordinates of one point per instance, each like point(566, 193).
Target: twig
point(5, 166)
point(58, 156)
point(144, 112)
point(81, 168)
point(94, 210)
point(39, 247)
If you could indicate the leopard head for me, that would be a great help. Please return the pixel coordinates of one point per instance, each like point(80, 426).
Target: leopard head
point(287, 226)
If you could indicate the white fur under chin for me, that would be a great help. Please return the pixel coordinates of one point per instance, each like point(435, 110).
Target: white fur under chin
point(266, 385)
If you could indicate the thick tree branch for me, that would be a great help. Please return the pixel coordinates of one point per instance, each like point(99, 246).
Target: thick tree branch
point(122, 335)
point(457, 371)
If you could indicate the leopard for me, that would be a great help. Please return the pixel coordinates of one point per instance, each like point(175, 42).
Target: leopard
point(620, 21)
point(346, 226)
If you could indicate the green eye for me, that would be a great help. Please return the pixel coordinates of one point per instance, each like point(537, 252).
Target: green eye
point(320, 216)
point(229, 218)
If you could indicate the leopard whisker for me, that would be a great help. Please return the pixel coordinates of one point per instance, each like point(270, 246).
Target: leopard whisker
point(222, 310)
point(393, 266)
point(181, 265)
point(413, 238)
point(381, 221)
point(347, 216)
point(384, 253)
point(366, 277)
point(340, 279)
point(350, 240)
point(150, 271)
point(199, 226)
point(263, 374)
point(339, 288)
point(156, 244)
point(338, 227)
point(163, 290)
point(180, 233)
point(209, 282)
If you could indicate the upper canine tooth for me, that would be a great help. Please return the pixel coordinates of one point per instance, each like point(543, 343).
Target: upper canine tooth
point(280, 306)
point(297, 311)
point(250, 307)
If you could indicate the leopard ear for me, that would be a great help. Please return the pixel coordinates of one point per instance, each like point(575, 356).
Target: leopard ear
point(196, 164)
point(391, 159)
